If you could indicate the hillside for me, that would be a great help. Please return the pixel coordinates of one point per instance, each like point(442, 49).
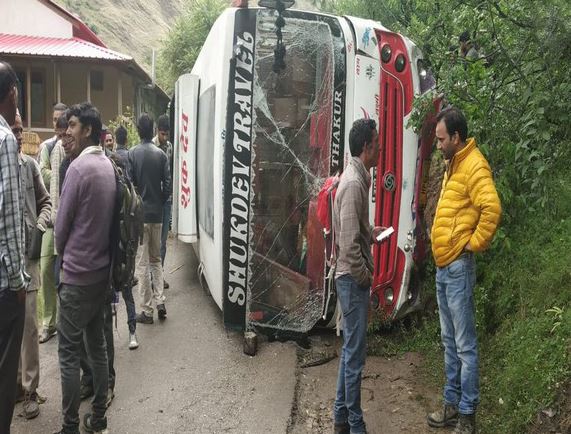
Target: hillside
point(134, 27)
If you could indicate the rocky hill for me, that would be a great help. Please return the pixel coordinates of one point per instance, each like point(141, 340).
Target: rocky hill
point(134, 27)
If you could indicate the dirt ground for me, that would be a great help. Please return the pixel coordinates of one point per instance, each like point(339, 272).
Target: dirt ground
point(393, 400)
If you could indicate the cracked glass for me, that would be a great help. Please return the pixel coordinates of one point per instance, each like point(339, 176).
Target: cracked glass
point(290, 162)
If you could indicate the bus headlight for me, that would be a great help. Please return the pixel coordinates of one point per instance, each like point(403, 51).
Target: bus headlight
point(386, 53)
point(389, 296)
point(400, 63)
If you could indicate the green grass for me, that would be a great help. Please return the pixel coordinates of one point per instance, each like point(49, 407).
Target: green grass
point(523, 299)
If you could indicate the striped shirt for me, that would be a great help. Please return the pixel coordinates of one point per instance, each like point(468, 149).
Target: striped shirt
point(11, 213)
point(353, 233)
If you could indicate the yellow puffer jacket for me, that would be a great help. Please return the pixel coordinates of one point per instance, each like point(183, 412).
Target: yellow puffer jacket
point(469, 208)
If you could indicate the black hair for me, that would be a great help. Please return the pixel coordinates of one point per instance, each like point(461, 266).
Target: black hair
point(455, 121)
point(121, 135)
point(59, 107)
point(8, 79)
point(464, 37)
point(163, 123)
point(62, 120)
point(88, 115)
point(361, 133)
point(145, 127)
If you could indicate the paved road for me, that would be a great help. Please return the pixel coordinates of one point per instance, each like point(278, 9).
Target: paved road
point(188, 376)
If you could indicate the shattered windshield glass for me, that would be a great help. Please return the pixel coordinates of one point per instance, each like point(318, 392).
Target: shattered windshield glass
point(290, 161)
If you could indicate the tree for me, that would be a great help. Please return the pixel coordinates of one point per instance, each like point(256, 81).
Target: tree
point(185, 39)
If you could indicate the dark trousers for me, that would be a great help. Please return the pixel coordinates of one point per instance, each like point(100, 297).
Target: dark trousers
point(85, 363)
point(130, 305)
point(80, 317)
point(12, 315)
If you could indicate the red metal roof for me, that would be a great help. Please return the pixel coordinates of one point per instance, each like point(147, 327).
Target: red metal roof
point(56, 47)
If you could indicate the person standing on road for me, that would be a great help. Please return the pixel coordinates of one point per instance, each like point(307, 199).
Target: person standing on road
point(354, 273)
point(37, 207)
point(48, 296)
point(84, 245)
point(13, 279)
point(467, 216)
point(162, 141)
point(150, 174)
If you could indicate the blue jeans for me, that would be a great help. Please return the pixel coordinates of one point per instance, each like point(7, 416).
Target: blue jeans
point(167, 213)
point(130, 305)
point(455, 293)
point(354, 300)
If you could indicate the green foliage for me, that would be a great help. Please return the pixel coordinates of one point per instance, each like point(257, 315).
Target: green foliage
point(185, 39)
point(127, 119)
point(516, 97)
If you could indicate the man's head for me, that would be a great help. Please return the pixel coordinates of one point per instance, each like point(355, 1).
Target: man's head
point(109, 141)
point(121, 136)
point(464, 41)
point(18, 129)
point(8, 93)
point(451, 131)
point(61, 126)
point(83, 127)
point(59, 109)
point(145, 126)
point(163, 127)
point(364, 141)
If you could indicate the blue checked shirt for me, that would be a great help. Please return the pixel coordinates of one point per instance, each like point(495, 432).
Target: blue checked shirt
point(12, 274)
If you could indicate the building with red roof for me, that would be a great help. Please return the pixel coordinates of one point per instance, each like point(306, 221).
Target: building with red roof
point(60, 59)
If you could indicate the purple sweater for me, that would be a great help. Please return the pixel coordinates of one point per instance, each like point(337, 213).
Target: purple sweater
point(83, 221)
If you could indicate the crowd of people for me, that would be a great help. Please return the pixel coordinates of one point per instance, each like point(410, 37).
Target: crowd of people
point(56, 251)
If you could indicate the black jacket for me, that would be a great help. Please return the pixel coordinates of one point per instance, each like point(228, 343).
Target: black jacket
point(151, 176)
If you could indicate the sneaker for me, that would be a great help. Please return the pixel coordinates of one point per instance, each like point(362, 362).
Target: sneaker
point(448, 416)
point(85, 391)
point(162, 311)
point(47, 334)
point(30, 407)
point(466, 424)
point(341, 428)
point(166, 284)
point(143, 318)
point(133, 342)
point(100, 428)
point(110, 396)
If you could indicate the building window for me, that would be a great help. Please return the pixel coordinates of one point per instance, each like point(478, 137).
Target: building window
point(96, 81)
point(22, 95)
point(38, 95)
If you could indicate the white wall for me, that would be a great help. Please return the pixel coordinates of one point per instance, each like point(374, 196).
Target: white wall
point(32, 18)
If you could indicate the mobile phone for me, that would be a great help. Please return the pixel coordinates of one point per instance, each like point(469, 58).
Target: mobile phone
point(385, 234)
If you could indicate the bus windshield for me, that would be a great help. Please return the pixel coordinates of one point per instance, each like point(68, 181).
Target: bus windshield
point(292, 129)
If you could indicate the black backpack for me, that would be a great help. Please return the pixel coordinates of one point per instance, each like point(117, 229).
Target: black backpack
point(126, 231)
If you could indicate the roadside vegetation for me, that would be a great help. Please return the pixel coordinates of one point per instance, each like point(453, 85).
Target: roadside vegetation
point(517, 98)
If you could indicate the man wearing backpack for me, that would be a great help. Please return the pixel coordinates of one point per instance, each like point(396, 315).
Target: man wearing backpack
point(47, 294)
point(151, 176)
point(84, 245)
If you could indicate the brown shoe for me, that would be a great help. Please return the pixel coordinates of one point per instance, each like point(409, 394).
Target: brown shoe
point(47, 334)
point(448, 416)
point(30, 407)
point(466, 424)
point(341, 428)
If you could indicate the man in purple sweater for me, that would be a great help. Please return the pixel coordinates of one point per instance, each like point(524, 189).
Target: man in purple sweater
point(82, 234)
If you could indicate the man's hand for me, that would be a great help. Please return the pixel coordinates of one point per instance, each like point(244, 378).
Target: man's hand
point(468, 247)
point(21, 294)
point(376, 231)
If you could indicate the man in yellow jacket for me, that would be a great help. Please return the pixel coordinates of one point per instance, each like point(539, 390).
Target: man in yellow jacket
point(466, 220)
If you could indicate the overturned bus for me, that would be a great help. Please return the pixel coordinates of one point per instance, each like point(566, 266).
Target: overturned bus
point(260, 123)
